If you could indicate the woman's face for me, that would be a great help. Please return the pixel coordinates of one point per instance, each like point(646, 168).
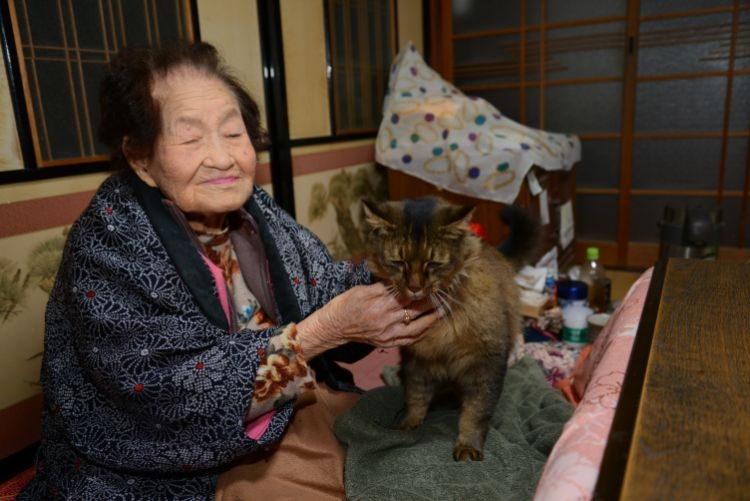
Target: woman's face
point(203, 159)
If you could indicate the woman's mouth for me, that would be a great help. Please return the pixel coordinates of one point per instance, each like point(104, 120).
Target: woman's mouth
point(222, 180)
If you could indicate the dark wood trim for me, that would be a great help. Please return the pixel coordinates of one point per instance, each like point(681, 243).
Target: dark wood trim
point(34, 174)
point(427, 31)
point(684, 76)
point(441, 38)
point(522, 65)
point(595, 80)
point(20, 425)
point(329, 74)
point(395, 38)
point(542, 58)
point(340, 138)
point(628, 131)
point(277, 115)
point(658, 192)
point(686, 13)
point(18, 462)
point(612, 470)
point(536, 27)
point(595, 136)
point(195, 25)
point(744, 204)
point(742, 234)
point(536, 83)
point(597, 191)
point(642, 255)
point(690, 135)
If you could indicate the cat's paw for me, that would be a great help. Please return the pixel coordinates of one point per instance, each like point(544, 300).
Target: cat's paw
point(463, 452)
point(408, 424)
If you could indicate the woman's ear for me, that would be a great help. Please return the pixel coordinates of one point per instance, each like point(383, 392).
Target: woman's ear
point(138, 163)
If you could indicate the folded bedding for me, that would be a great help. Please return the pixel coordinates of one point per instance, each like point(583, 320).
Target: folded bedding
point(384, 463)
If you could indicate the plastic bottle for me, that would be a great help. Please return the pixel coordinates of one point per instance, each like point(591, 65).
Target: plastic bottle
point(575, 325)
point(594, 275)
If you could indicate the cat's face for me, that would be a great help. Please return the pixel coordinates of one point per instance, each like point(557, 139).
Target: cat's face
point(418, 246)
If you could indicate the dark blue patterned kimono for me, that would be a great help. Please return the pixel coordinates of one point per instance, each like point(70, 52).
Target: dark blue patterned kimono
point(145, 381)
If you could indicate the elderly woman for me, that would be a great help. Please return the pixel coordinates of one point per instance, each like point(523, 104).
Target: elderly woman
point(190, 312)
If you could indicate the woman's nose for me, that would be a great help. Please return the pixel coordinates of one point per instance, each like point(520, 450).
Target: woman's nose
point(218, 154)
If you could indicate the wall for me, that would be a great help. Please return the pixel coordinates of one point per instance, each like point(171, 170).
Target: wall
point(10, 153)
point(35, 215)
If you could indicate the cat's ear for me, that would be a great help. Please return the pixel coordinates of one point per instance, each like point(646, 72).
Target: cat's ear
point(375, 217)
point(460, 217)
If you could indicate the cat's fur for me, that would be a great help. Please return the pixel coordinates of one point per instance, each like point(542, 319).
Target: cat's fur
point(424, 248)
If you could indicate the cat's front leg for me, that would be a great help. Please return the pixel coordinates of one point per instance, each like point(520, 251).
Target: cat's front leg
point(473, 423)
point(418, 393)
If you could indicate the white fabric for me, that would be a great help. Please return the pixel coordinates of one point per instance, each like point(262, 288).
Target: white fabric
point(458, 143)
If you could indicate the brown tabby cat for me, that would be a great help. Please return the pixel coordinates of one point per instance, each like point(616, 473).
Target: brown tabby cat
point(424, 247)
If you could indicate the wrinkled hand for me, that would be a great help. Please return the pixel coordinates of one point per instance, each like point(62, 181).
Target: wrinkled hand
point(366, 314)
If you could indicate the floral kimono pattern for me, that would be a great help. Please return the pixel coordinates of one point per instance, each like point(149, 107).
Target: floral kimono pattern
point(146, 381)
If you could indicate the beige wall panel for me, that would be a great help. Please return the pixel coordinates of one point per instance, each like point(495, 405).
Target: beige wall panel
point(10, 151)
point(318, 211)
point(410, 26)
point(22, 310)
point(232, 26)
point(304, 37)
point(32, 190)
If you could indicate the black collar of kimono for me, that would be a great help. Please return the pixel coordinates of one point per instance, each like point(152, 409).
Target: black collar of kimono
point(182, 249)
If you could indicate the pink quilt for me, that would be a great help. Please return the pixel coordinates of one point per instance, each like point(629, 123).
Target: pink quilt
point(572, 468)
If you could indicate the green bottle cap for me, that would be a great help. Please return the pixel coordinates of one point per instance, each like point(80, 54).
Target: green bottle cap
point(592, 253)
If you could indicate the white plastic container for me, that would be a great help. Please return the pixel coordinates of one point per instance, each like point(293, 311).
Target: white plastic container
point(575, 325)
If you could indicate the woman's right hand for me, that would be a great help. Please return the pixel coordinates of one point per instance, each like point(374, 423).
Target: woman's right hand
point(367, 314)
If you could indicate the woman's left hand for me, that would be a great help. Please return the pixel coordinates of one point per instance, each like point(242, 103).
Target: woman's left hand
point(368, 314)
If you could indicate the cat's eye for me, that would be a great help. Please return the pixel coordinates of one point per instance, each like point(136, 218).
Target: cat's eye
point(398, 264)
point(432, 265)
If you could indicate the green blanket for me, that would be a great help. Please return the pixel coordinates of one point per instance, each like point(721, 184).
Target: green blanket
point(383, 463)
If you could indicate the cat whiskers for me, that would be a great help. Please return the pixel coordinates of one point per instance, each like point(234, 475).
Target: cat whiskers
point(450, 295)
point(392, 290)
point(441, 300)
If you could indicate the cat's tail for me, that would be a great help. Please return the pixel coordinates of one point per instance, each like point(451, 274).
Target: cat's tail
point(525, 238)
